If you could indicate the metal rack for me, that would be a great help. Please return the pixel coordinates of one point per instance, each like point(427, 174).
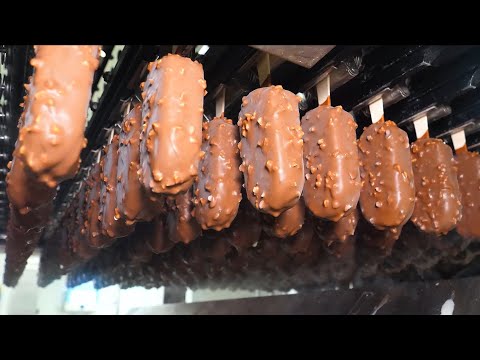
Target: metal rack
point(14, 73)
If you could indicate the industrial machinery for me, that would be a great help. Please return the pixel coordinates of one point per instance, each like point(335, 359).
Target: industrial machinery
point(420, 85)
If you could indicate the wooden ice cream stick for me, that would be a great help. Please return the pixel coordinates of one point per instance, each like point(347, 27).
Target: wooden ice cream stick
point(459, 142)
point(376, 110)
point(323, 91)
point(220, 103)
point(421, 127)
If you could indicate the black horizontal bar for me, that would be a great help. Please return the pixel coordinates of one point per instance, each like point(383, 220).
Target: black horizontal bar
point(460, 115)
point(440, 95)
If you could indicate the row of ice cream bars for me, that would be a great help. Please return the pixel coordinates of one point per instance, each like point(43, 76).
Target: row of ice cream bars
point(167, 159)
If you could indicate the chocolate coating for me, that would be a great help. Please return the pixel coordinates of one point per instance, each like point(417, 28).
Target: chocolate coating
point(51, 139)
point(137, 250)
point(113, 225)
point(388, 194)
point(332, 185)
point(287, 223)
point(301, 242)
point(83, 250)
point(468, 165)
point(182, 226)
point(346, 226)
point(172, 125)
point(246, 229)
point(157, 236)
point(31, 204)
point(133, 204)
point(218, 185)
point(93, 225)
point(30, 200)
point(33, 220)
point(80, 245)
point(437, 195)
point(334, 234)
point(19, 247)
point(68, 221)
point(377, 242)
point(212, 249)
point(24, 191)
point(271, 148)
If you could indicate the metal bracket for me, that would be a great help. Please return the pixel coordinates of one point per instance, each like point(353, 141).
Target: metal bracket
point(264, 71)
point(389, 97)
point(433, 112)
point(466, 126)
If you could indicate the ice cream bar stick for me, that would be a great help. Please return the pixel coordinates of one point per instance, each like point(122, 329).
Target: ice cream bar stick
point(220, 103)
point(459, 142)
point(376, 110)
point(421, 127)
point(323, 91)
